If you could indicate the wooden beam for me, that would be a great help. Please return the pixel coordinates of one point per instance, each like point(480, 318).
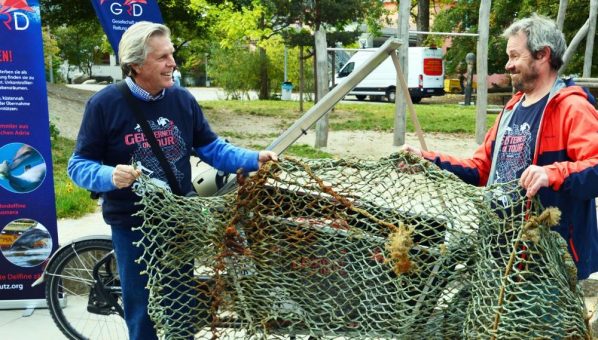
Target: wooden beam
point(400, 126)
point(560, 19)
point(583, 31)
point(587, 62)
point(482, 70)
point(322, 81)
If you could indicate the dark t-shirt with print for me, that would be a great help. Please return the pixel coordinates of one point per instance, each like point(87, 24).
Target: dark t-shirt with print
point(517, 147)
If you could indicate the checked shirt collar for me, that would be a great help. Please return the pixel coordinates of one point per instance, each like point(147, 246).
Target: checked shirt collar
point(142, 94)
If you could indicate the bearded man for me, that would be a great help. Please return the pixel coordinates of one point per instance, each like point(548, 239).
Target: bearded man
point(546, 137)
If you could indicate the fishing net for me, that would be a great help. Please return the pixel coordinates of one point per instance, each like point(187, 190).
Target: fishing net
point(393, 248)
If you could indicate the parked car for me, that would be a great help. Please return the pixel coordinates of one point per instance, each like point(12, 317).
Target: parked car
point(425, 76)
point(454, 86)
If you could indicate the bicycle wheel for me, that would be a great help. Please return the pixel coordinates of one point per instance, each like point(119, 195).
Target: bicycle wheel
point(71, 295)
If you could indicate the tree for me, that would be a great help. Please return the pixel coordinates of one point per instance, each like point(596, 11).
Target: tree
point(256, 21)
point(80, 44)
point(464, 15)
point(423, 19)
point(324, 15)
point(52, 59)
point(177, 15)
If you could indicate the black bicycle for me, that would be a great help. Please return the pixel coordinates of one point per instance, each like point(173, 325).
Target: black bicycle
point(83, 290)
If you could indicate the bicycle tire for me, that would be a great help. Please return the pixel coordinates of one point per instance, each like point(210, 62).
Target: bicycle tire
point(68, 285)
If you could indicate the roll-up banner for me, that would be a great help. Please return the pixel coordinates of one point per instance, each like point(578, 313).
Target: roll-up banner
point(28, 233)
point(117, 15)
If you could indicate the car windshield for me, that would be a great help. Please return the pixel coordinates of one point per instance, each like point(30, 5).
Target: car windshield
point(346, 70)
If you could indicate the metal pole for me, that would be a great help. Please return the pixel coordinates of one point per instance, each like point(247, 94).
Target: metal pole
point(450, 34)
point(206, 62)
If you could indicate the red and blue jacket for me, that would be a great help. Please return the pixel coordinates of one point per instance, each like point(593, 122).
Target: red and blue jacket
point(567, 147)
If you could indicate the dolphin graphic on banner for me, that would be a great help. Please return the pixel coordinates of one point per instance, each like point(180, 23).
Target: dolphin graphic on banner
point(117, 15)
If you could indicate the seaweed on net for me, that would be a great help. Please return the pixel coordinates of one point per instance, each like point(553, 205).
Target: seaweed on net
point(392, 248)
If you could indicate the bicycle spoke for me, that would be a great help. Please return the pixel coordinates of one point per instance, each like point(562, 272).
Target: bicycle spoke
point(77, 313)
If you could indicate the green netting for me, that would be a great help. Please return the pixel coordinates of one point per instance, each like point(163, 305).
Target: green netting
point(394, 248)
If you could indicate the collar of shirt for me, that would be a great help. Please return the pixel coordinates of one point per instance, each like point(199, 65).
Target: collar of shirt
point(142, 94)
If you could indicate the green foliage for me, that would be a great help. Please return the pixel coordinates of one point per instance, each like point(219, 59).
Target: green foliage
point(71, 200)
point(260, 23)
point(54, 132)
point(80, 44)
point(188, 29)
point(463, 17)
point(51, 54)
point(235, 71)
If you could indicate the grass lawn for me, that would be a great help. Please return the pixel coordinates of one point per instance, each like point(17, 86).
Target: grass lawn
point(445, 118)
point(71, 200)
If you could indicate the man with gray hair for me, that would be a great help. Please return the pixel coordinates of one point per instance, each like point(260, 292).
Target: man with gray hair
point(110, 140)
point(545, 137)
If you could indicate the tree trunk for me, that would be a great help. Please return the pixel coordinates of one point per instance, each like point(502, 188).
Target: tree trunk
point(264, 81)
point(301, 79)
point(423, 20)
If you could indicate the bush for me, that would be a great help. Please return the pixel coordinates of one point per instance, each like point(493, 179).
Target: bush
point(236, 70)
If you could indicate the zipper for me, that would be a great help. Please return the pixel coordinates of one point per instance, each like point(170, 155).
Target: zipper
point(571, 245)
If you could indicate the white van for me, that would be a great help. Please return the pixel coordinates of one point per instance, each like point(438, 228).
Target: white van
point(426, 75)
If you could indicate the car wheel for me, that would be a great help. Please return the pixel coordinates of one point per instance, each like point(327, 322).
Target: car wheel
point(360, 97)
point(391, 96)
point(416, 100)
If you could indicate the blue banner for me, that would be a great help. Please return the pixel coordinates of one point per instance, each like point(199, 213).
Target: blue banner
point(117, 15)
point(28, 234)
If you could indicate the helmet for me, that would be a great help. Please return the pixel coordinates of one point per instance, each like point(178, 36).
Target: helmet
point(208, 180)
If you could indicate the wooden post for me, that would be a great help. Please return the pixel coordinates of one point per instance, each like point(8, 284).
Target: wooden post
point(400, 126)
point(322, 82)
point(560, 19)
point(402, 84)
point(579, 36)
point(587, 62)
point(482, 71)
